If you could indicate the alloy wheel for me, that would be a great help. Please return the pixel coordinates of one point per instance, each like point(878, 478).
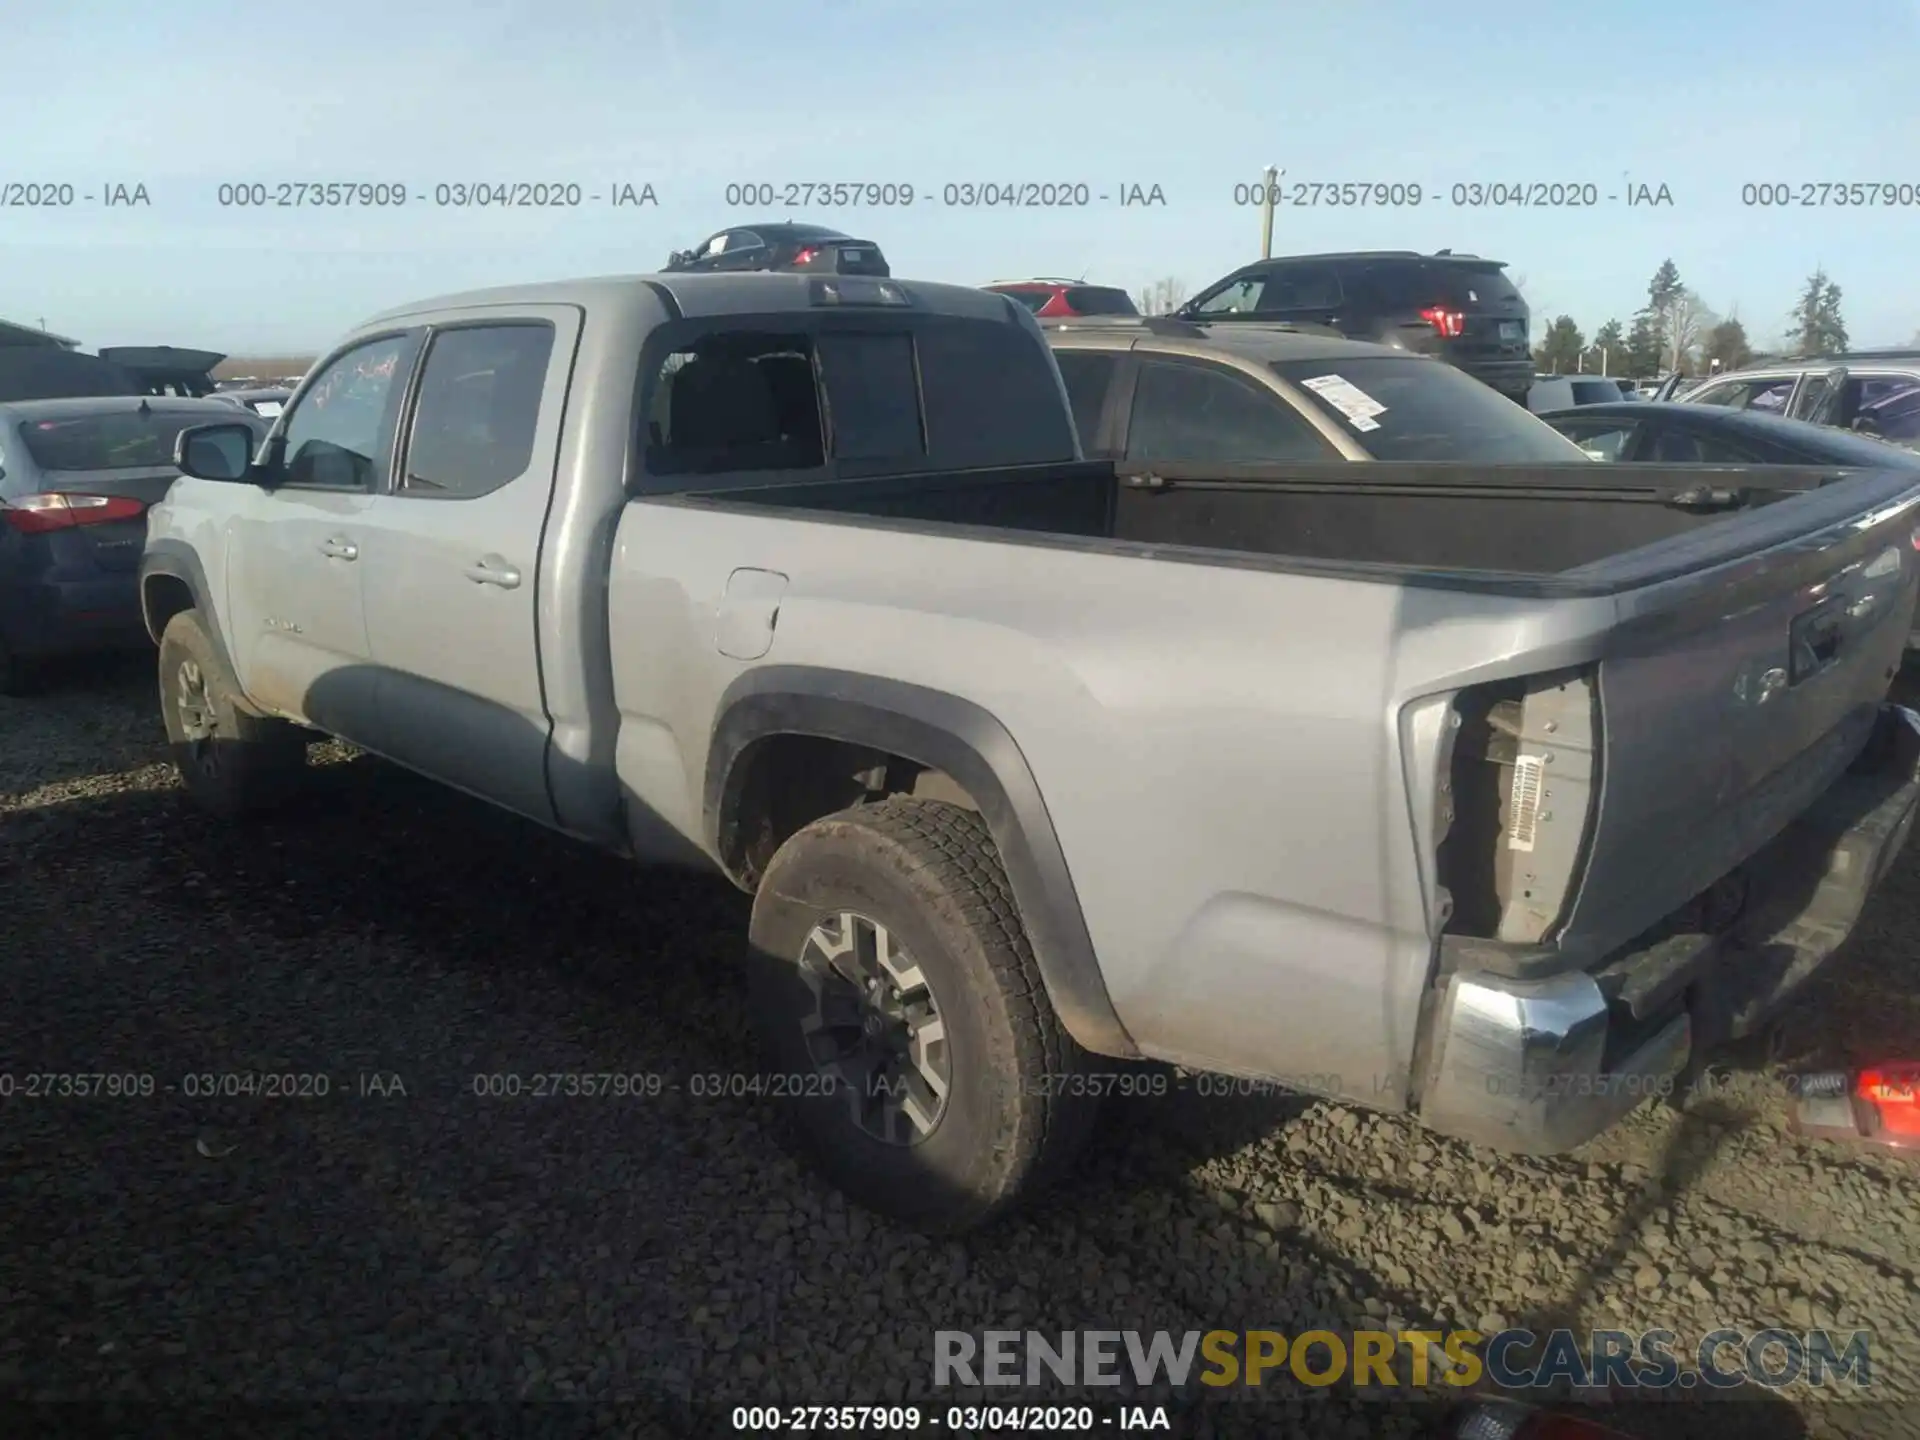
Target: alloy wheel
point(875, 1032)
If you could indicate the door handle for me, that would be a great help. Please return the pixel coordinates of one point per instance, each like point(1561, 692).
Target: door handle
point(492, 570)
point(338, 549)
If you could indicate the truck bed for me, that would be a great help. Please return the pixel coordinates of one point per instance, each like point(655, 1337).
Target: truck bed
point(1237, 689)
point(1499, 521)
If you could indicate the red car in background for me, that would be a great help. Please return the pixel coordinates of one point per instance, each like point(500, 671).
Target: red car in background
point(1050, 298)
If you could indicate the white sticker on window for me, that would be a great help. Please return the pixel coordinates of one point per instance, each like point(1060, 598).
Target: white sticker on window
point(269, 407)
point(1349, 399)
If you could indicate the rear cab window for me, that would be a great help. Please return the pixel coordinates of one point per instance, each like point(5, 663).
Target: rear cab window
point(1417, 410)
point(861, 395)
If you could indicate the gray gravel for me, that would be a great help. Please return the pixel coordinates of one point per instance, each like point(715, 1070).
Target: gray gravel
point(664, 1250)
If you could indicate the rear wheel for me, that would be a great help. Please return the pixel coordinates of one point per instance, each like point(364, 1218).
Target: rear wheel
point(231, 762)
point(904, 1020)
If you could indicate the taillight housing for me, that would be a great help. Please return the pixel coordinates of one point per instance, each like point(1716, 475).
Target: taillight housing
point(1448, 324)
point(38, 514)
point(1518, 802)
point(807, 256)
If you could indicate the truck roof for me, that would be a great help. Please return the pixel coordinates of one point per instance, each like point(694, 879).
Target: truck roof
point(699, 295)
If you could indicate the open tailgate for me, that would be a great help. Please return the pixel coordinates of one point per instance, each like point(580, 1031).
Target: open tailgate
point(1750, 661)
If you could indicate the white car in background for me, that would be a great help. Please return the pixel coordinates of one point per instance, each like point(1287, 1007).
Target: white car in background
point(1873, 392)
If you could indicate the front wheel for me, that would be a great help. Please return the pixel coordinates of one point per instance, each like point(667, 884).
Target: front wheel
point(232, 763)
point(904, 1020)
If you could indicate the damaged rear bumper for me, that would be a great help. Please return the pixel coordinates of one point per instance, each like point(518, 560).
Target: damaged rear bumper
point(1541, 1065)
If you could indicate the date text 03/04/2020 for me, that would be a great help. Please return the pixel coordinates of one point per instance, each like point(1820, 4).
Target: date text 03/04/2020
point(1462, 194)
point(198, 1085)
point(477, 194)
point(964, 1419)
point(957, 195)
point(56, 194)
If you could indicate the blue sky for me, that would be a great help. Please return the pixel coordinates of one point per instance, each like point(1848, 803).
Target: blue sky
point(1194, 99)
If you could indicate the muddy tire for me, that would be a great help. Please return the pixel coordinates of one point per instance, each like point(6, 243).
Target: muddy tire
point(903, 1020)
point(233, 764)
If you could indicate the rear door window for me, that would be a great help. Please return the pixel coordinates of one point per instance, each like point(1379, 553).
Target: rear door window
point(479, 404)
point(1413, 409)
point(1595, 392)
point(1197, 413)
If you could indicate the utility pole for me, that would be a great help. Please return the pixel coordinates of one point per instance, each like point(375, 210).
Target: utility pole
point(1267, 197)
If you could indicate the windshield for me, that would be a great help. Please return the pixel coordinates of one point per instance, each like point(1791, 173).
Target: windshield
point(122, 440)
point(1415, 409)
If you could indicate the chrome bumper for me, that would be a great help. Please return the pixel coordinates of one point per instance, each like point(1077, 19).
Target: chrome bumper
point(1541, 1066)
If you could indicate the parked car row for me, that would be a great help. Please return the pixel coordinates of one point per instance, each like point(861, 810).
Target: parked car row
point(77, 478)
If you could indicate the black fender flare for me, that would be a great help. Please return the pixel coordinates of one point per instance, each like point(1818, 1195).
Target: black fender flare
point(176, 560)
point(947, 733)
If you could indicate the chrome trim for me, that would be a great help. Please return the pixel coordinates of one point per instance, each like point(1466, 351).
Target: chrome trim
point(1518, 1064)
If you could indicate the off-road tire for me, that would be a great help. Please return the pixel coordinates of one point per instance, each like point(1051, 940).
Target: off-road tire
point(247, 765)
point(1020, 1103)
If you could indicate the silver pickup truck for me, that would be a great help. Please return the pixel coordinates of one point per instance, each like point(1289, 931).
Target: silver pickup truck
point(1487, 793)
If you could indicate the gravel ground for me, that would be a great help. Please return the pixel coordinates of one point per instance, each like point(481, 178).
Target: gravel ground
point(663, 1251)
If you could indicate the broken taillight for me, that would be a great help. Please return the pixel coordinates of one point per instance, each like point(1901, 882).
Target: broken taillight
point(1879, 1105)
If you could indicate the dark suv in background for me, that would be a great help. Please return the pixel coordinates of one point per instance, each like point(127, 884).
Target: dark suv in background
point(1459, 308)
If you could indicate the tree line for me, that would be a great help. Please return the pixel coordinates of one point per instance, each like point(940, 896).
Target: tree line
point(1676, 330)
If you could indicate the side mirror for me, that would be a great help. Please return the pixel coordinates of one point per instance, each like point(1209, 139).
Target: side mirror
point(215, 452)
